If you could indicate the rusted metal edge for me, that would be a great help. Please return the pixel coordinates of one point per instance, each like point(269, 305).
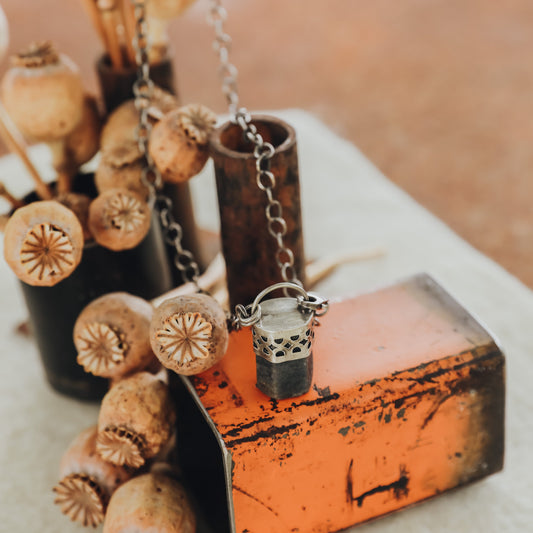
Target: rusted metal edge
point(451, 301)
point(226, 454)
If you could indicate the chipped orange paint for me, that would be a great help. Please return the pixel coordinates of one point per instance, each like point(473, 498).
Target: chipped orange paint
point(404, 383)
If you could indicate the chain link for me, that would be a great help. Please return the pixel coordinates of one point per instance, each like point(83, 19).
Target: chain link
point(263, 151)
point(143, 89)
point(216, 18)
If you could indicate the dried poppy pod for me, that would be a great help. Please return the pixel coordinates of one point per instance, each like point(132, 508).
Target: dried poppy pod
point(136, 420)
point(79, 205)
point(43, 93)
point(151, 503)
point(111, 335)
point(82, 143)
point(121, 167)
point(123, 121)
point(189, 333)
point(178, 144)
point(87, 481)
point(43, 243)
point(6, 195)
point(119, 219)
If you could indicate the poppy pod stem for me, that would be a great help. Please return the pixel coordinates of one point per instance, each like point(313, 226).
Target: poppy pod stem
point(94, 14)
point(63, 163)
point(108, 15)
point(16, 145)
point(4, 193)
point(126, 10)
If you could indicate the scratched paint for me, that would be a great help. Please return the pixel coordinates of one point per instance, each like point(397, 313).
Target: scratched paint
point(394, 434)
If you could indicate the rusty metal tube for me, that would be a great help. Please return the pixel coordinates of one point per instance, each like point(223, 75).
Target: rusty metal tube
point(248, 247)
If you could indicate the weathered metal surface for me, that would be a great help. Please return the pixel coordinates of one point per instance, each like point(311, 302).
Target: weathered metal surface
point(282, 341)
point(248, 247)
point(407, 402)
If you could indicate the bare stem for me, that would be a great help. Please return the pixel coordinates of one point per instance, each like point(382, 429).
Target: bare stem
point(128, 20)
point(108, 16)
point(212, 280)
point(3, 222)
point(324, 267)
point(213, 275)
point(4, 193)
point(63, 164)
point(94, 14)
point(16, 145)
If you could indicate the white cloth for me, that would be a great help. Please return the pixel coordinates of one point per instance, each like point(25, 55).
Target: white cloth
point(347, 205)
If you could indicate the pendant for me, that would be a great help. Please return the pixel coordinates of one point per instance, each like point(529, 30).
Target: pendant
point(283, 334)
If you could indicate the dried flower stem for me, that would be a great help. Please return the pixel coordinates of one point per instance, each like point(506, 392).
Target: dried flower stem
point(94, 15)
point(128, 20)
point(214, 274)
point(3, 222)
point(315, 271)
point(64, 165)
point(16, 145)
point(108, 15)
point(320, 269)
point(212, 280)
point(4, 193)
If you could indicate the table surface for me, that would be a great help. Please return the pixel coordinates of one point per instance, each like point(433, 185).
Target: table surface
point(347, 205)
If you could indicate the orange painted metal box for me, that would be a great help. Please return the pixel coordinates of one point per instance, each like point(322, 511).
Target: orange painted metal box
point(407, 402)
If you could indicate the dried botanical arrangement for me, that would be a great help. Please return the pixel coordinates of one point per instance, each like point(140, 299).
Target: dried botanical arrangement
point(189, 333)
point(115, 24)
point(119, 336)
point(178, 144)
point(150, 503)
point(112, 335)
point(62, 115)
point(43, 242)
point(136, 420)
point(87, 481)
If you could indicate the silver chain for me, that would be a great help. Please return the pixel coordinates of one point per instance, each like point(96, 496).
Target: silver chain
point(263, 151)
point(143, 89)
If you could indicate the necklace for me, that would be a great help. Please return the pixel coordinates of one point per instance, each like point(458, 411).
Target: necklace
point(187, 334)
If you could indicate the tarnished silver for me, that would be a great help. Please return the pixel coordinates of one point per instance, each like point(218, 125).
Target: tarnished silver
point(143, 89)
point(283, 329)
point(284, 332)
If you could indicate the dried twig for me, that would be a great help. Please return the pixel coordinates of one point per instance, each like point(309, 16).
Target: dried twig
point(128, 21)
point(213, 278)
point(108, 15)
point(4, 193)
point(214, 274)
point(3, 221)
point(14, 142)
point(320, 269)
point(94, 14)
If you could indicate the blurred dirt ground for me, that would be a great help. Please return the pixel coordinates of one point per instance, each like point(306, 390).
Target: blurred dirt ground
point(437, 93)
